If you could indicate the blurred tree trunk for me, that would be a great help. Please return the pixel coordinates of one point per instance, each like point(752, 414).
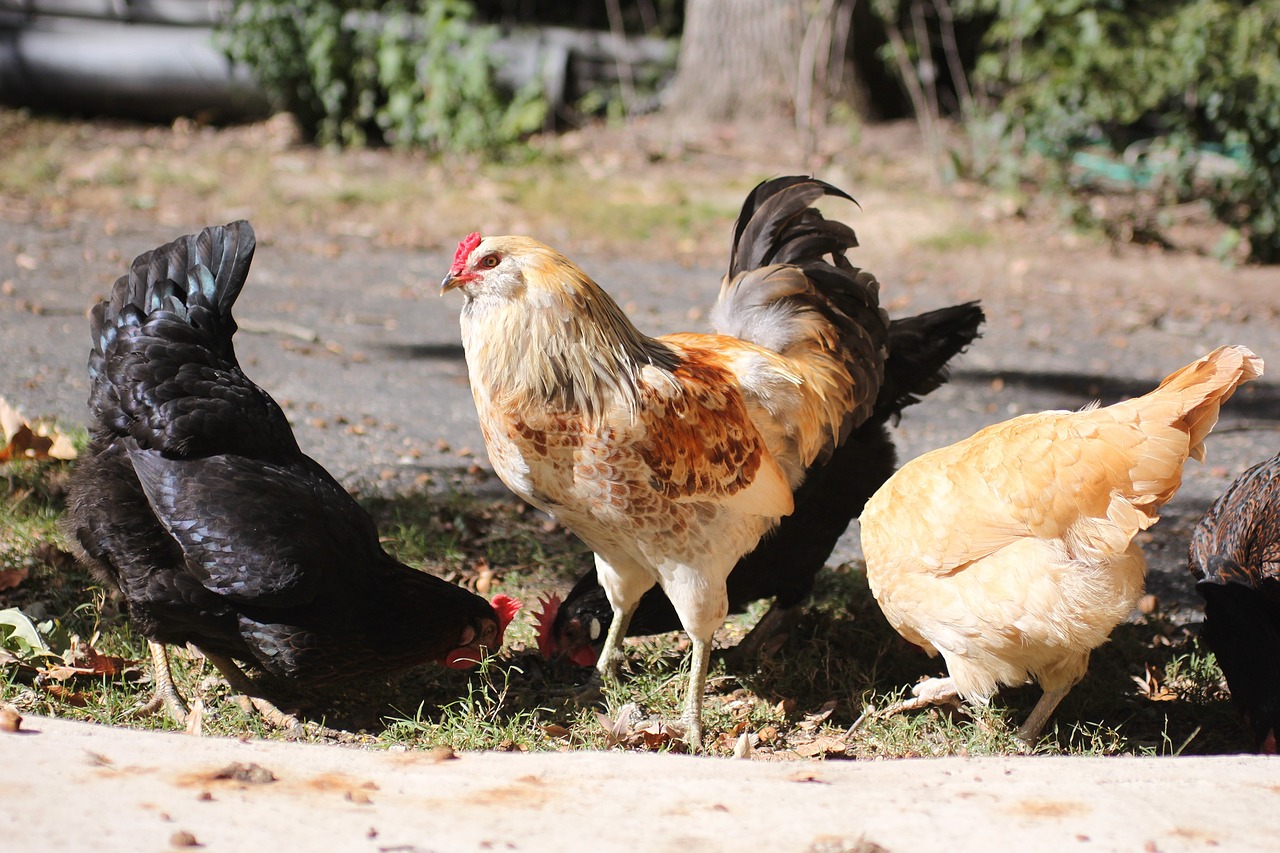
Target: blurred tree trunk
point(744, 58)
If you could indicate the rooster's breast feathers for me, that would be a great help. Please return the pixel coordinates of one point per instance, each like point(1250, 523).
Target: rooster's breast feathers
point(686, 433)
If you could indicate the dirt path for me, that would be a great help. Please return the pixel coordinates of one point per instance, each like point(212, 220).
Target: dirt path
point(68, 785)
point(353, 341)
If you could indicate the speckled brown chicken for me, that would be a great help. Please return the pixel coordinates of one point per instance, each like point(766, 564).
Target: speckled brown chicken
point(1235, 556)
point(672, 456)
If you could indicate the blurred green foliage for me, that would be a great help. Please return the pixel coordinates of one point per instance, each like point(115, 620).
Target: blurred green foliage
point(1184, 93)
point(406, 73)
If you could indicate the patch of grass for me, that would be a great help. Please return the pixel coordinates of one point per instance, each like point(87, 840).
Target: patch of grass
point(149, 175)
point(956, 239)
point(1152, 690)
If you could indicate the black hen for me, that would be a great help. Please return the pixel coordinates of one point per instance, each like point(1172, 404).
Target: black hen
point(195, 502)
point(785, 563)
point(1235, 555)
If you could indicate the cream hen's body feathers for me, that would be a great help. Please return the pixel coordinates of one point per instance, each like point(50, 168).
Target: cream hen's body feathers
point(1011, 553)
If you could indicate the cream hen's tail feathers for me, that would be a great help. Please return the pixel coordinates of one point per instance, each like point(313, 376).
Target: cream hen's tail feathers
point(1201, 389)
point(1172, 422)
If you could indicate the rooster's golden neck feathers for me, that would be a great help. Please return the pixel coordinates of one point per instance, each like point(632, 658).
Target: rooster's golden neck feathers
point(537, 327)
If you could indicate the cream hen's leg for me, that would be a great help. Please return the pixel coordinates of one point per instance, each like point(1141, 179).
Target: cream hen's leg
point(1030, 730)
point(699, 661)
point(702, 606)
point(611, 653)
point(1056, 681)
point(931, 691)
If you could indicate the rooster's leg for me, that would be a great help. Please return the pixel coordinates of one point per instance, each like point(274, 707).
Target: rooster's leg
point(166, 693)
point(1030, 730)
point(273, 716)
point(700, 660)
point(611, 655)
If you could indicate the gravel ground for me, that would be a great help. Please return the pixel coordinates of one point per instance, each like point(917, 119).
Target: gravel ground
point(365, 358)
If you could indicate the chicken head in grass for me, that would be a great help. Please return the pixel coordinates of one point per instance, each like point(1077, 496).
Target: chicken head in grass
point(1012, 553)
point(672, 456)
point(194, 501)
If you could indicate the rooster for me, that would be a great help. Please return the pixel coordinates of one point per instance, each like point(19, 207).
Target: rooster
point(787, 560)
point(1012, 552)
point(195, 502)
point(671, 457)
point(1235, 556)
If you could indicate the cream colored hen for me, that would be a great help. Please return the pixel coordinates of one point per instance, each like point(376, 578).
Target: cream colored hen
point(1011, 553)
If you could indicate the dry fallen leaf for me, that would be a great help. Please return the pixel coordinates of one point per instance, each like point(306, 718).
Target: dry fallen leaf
point(195, 719)
point(822, 745)
point(1149, 686)
point(182, 838)
point(11, 578)
point(30, 440)
point(65, 694)
point(10, 720)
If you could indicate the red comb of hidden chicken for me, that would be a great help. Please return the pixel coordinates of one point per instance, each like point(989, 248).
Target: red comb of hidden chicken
point(506, 607)
point(576, 640)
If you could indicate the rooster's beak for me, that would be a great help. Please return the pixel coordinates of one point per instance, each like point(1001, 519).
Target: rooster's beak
point(451, 282)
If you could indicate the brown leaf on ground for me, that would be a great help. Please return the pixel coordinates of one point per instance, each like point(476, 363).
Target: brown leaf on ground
point(821, 745)
point(30, 440)
point(1149, 686)
point(10, 578)
point(65, 694)
point(10, 720)
point(85, 660)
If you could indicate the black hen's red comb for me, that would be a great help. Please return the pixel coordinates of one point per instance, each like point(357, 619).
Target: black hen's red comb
point(464, 251)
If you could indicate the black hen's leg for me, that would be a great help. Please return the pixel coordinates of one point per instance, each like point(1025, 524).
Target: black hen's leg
point(272, 715)
point(166, 693)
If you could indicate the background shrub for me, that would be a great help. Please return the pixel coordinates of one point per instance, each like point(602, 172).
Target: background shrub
point(404, 73)
point(1194, 83)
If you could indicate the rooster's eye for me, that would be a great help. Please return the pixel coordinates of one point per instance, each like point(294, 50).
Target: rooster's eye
point(489, 261)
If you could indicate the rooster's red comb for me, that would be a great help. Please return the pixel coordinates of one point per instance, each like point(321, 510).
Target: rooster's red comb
point(506, 607)
point(546, 620)
point(465, 248)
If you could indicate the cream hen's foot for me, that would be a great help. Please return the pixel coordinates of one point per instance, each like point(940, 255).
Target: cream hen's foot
point(931, 691)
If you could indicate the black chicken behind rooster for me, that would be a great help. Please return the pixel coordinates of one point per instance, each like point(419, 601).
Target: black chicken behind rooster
point(786, 562)
point(1235, 556)
point(195, 502)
